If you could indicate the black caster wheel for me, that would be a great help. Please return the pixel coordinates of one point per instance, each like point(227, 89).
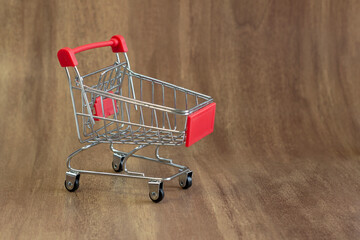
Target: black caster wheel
point(186, 182)
point(72, 186)
point(157, 196)
point(118, 163)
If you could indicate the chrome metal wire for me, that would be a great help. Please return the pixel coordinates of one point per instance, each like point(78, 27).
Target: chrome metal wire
point(146, 111)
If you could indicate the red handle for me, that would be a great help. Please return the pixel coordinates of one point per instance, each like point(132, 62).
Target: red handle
point(67, 57)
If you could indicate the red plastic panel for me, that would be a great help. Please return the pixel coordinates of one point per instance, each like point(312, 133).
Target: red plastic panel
point(200, 124)
point(108, 107)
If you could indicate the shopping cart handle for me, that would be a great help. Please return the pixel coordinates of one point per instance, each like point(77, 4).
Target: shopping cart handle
point(67, 57)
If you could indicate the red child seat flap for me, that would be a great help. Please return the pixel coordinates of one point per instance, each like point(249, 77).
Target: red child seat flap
point(200, 124)
point(108, 104)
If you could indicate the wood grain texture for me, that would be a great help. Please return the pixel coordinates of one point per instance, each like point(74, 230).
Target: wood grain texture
point(283, 162)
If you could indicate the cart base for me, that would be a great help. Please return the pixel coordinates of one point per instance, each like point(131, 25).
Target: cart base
point(156, 191)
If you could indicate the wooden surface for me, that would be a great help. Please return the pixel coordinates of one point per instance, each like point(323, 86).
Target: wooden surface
point(283, 162)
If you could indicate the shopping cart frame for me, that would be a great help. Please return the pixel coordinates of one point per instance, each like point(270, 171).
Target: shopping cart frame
point(156, 193)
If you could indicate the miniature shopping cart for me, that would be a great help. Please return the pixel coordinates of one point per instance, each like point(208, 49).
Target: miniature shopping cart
point(118, 106)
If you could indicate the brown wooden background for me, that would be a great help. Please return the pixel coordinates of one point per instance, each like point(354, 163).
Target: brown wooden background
point(283, 162)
